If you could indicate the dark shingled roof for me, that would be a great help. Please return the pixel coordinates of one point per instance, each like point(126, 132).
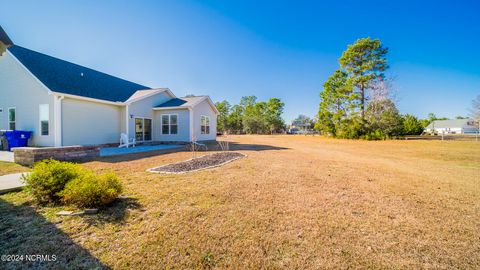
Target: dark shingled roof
point(174, 102)
point(181, 102)
point(68, 78)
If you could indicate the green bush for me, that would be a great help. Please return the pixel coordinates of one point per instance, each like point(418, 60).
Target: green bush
point(352, 128)
point(48, 178)
point(411, 125)
point(374, 135)
point(90, 190)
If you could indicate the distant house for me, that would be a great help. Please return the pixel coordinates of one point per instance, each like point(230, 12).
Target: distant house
point(67, 104)
point(301, 126)
point(455, 126)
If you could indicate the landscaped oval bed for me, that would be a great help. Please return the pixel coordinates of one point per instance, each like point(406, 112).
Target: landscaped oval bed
point(200, 163)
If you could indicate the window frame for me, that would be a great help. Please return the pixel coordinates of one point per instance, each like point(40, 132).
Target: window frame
point(8, 115)
point(205, 128)
point(169, 123)
point(40, 120)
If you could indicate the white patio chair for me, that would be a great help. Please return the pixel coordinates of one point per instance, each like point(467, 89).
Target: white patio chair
point(125, 141)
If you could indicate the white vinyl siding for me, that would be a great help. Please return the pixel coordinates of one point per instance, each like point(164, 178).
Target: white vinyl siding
point(169, 124)
point(183, 126)
point(144, 109)
point(204, 109)
point(22, 91)
point(89, 123)
point(44, 119)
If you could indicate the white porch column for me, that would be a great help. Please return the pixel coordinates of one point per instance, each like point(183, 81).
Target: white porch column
point(57, 116)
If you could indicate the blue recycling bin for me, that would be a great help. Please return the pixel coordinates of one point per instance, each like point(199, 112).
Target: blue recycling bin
point(17, 138)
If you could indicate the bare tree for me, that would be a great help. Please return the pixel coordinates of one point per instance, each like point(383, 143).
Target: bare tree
point(381, 90)
point(475, 110)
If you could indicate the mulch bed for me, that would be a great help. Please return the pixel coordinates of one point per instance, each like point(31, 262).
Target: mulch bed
point(200, 163)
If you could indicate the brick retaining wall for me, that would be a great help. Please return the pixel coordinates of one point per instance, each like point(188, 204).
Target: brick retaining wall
point(29, 155)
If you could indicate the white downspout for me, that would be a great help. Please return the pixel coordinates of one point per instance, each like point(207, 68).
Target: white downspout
point(192, 130)
point(127, 122)
point(57, 109)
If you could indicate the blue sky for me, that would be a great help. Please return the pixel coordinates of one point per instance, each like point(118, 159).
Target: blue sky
point(285, 49)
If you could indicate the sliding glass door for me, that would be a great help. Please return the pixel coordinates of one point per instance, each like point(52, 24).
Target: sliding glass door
point(147, 132)
point(143, 129)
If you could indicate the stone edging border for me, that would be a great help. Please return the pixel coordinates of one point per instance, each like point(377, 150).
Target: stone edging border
point(196, 170)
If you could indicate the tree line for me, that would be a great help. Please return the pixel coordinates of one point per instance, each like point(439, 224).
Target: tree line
point(251, 116)
point(356, 103)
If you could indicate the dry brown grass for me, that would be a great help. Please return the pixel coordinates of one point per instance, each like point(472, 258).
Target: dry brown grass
point(9, 167)
point(294, 202)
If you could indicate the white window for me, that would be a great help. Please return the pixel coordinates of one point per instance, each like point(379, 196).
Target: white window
point(12, 116)
point(44, 118)
point(205, 125)
point(169, 123)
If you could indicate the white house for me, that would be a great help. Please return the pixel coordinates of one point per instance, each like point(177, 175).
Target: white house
point(455, 126)
point(67, 104)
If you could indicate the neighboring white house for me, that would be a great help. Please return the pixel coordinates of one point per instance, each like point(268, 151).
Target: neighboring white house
point(456, 126)
point(67, 104)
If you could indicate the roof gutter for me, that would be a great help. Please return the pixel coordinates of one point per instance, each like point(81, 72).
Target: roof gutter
point(116, 103)
point(173, 108)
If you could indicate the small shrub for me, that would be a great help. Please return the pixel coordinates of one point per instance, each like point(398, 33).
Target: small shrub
point(90, 190)
point(208, 260)
point(374, 135)
point(48, 178)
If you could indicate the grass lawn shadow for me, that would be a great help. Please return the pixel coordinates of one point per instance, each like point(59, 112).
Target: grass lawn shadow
point(23, 231)
point(254, 147)
point(116, 212)
point(211, 146)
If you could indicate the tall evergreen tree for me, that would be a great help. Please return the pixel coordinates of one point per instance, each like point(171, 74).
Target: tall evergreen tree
point(254, 119)
point(365, 61)
point(274, 115)
point(337, 102)
point(235, 119)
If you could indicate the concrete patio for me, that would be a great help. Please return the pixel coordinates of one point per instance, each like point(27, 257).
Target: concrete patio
point(114, 151)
